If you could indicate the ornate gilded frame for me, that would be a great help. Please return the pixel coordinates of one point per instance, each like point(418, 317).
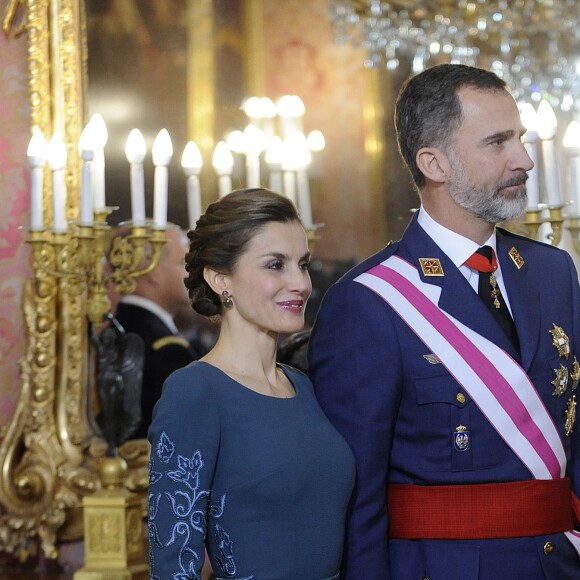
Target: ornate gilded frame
point(49, 451)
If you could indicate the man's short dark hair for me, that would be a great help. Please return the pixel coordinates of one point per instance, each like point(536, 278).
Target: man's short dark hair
point(428, 110)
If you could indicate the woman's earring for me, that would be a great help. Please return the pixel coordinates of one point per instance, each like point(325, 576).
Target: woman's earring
point(226, 300)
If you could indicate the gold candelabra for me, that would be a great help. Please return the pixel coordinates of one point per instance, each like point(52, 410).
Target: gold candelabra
point(535, 217)
point(81, 254)
point(75, 266)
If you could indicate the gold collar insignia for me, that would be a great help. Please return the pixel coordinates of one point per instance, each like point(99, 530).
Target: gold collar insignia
point(516, 257)
point(431, 267)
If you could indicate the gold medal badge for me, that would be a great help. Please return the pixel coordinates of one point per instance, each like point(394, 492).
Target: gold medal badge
point(461, 438)
point(575, 374)
point(560, 341)
point(570, 415)
point(560, 381)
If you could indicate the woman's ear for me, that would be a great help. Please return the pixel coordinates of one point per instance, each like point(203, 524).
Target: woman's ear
point(434, 164)
point(215, 280)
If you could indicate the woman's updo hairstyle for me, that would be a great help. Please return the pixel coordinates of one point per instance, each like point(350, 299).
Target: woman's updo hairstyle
point(221, 235)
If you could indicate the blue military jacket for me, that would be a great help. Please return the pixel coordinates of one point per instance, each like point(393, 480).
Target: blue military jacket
point(399, 411)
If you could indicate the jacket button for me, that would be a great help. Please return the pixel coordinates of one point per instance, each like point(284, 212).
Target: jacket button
point(548, 548)
point(460, 398)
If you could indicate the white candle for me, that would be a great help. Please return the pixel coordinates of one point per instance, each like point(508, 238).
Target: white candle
point(304, 198)
point(529, 120)
point(193, 200)
point(574, 181)
point(162, 153)
point(316, 141)
point(192, 163)
point(252, 171)
point(532, 185)
point(288, 169)
point(290, 109)
point(135, 150)
point(255, 143)
point(37, 152)
point(87, 154)
point(268, 109)
point(295, 158)
point(57, 162)
point(289, 179)
point(302, 160)
point(236, 142)
point(274, 154)
point(253, 109)
point(223, 163)
point(100, 136)
point(571, 142)
point(547, 126)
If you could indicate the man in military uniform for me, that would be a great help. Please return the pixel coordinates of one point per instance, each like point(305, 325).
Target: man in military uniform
point(449, 360)
point(149, 312)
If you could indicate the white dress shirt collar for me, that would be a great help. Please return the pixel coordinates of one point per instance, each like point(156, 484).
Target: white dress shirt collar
point(152, 307)
point(457, 247)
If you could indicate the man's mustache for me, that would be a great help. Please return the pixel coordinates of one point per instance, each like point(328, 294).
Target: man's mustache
point(517, 180)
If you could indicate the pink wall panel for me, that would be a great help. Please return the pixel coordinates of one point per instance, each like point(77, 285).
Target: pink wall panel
point(14, 207)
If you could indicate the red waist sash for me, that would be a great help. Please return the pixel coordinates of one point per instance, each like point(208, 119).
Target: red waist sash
point(484, 510)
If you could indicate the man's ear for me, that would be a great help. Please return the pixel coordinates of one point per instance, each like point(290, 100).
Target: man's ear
point(156, 276)
point(434, 164)
point(217, 281)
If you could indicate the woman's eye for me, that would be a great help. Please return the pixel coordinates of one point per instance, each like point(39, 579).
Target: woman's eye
point(277, 265)
point(304, 266)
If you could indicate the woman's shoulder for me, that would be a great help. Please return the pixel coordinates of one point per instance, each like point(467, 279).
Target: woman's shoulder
point(188, 402)
point(298, 377)
point(195, 379)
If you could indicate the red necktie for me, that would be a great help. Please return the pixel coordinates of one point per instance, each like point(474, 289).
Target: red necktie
point(485, 262)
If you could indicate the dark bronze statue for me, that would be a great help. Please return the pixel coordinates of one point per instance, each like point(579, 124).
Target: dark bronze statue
point(119, 378)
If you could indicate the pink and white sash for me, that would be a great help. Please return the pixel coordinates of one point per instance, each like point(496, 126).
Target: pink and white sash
point(501, 389)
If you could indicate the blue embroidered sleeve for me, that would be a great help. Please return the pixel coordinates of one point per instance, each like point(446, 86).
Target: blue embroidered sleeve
point(184, 438)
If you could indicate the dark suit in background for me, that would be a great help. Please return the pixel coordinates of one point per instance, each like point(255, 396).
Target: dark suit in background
point(165, 352)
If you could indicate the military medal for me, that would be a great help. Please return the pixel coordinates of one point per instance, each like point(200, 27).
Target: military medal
point(494, 290)
point(461, 438)
point(560, 382)
point(431, 267)
point(575, 374)
point(432, 359)
point(560, 341)
point(570, 415)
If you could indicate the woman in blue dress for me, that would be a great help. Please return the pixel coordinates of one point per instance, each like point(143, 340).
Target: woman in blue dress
point(243, 461)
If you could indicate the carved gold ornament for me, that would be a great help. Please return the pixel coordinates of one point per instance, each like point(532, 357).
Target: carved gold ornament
point(49, 450)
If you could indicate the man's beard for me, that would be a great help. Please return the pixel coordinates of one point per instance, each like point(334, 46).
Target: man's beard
point(490, 205)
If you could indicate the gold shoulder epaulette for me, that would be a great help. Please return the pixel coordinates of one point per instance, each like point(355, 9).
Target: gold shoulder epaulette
point(167, 340)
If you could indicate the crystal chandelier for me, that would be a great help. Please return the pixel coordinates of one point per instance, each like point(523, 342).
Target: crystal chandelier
point(531, 44)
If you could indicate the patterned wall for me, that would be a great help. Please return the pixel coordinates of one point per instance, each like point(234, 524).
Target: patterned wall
point(301, 58)
point(14, 209)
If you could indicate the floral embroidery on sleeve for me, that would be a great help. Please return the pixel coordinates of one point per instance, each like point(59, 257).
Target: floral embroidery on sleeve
point(189, 505)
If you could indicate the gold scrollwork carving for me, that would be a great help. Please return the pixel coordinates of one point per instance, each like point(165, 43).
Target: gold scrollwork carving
point(49, 451)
